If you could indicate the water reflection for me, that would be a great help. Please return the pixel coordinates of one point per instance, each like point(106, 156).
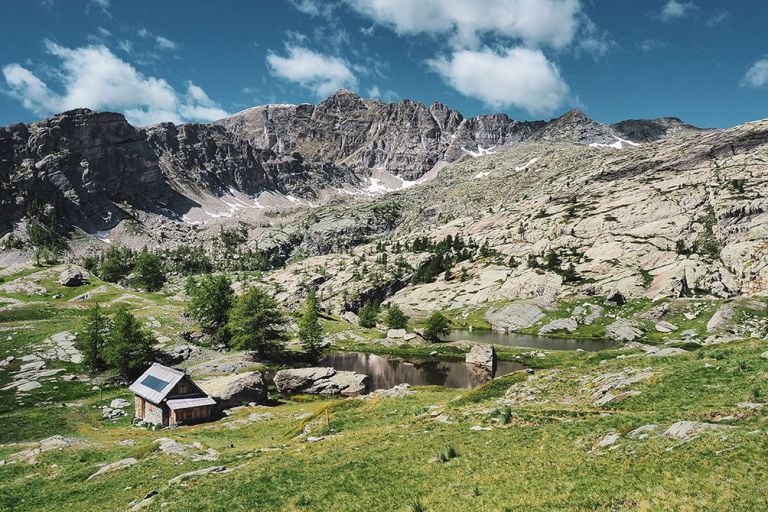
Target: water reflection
point(530, 341)
point(386, 371)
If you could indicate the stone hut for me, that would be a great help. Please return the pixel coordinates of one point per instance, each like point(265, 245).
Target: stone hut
point(165, 396)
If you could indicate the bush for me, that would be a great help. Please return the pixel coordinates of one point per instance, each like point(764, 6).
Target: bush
point(114, 265)
point(395, 318)
point(437, 325)
point(368, 315)
point(149, 271)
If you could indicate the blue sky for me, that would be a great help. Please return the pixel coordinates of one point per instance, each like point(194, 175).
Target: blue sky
point(705, 61)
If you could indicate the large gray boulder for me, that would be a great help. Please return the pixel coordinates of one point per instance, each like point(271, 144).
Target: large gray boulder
point(721, 320)
point(72, 277)
point(483, 356)
point(237, 389)
point(321, 381)
point(559, 325)
point(623, 330)
point(515, 316)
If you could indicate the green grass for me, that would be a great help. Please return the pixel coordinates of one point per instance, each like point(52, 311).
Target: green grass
point(536, 448)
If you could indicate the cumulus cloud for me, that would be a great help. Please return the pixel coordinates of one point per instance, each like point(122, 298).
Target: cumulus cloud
point(322, 74)
point(542, 22)
point(675, 9)
point(516, 77)
point(757, 75)
point(95, 78)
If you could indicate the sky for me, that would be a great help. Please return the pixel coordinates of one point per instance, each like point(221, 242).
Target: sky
point(705, 61)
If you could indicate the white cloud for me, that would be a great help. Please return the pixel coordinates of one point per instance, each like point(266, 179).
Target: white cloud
point(321, 8)
point(718, 19)
point(126, 46)
point(545, 22)
point(322, 74)
point(594, 40)
point(675, 9)
point(376, 92)
point(516, 77)
point(102, 5)
point(651, 45)
point(95, 78)
point(165, 43)
point(757, 75)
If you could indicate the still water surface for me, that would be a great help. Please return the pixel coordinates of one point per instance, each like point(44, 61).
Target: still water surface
point(530, 340)
point(388, 371)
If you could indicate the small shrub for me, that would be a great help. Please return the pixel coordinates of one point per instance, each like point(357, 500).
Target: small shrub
point(447, 454)
point(416, 506)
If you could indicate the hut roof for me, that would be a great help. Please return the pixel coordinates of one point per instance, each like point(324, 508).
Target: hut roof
point(155, 383)
point(188, 403)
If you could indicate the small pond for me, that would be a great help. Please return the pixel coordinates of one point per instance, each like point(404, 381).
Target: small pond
point(530, 340)
point(388, 371)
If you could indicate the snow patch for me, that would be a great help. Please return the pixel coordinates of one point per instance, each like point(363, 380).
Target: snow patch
point(527, 164)
point(481, 175)
point(481, 151)
point(103, 236)
point(619, 144)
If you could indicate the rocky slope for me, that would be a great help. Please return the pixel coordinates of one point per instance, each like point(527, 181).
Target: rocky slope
point(683, 217)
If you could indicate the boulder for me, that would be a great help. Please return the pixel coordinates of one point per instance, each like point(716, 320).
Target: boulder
point(623, 330)
point(665, 327)
point(119, 403)
point(515, 316)
point(721, 320)
point(642, 432)
point(115, 466)
point(559, 325)
point(238, 389)
point(684, 430)
point(321, 381)
point(396, 333)
point(72, 277)
point(351, 317)
point(615, 298)
point(483, 356)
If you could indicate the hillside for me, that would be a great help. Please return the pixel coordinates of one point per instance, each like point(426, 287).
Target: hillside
point(619, 271)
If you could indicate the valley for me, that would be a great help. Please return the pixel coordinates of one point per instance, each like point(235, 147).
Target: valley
point(619, 271)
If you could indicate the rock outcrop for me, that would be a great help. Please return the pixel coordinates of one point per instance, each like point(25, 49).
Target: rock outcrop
point(72, 277)
point(321, 381)
point(238, 389)
point(483, 356)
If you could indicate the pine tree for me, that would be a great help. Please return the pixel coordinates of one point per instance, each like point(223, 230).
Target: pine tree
point(310, 330)
point(211, 299)
point(149, 271)
point(395, 318)
point(129, 345)
point(92, 339)
point(256, 323)
point(437, 325)
point(368, 315)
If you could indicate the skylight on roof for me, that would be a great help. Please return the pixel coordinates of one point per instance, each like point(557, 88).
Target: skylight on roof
point(154, 383)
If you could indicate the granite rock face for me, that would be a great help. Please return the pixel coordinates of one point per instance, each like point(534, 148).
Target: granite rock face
point(321, 381)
